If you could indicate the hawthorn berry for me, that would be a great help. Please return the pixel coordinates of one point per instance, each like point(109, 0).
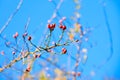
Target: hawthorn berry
point(76, 40)
point(63, 18)
point(79, 73)
point(63, 27)
point(60, 21)
point(25, 34)
point(2, 52)
point(28, 69)
point(29, 38)
point(36, 55)
point(15, 35)
point(49, 50)
point(13, 52)
point(7, 43)
point(64, 50)
point(51, 26)
point(73, 73)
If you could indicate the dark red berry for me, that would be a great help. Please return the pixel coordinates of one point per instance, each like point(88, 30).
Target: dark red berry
point(29, 38)
point(13, 52)
point(28, 70)
point(36, 55)
point(25, 34)
point(79, 74)
point(77, 41)
point(64, 50)
point(61, 26)
point(64, 27)
point(51, 26)
point(16, 35)
point(73, 73)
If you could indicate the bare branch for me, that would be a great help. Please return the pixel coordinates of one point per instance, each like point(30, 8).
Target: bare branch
point(11, 17)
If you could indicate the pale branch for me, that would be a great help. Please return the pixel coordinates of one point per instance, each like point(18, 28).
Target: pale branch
point(28, 53)
point(11, 17)
point(13, 62)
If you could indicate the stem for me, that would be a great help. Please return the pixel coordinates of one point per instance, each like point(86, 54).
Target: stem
point(61, 37)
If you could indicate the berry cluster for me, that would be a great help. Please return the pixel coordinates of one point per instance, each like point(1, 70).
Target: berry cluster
point(63, 27)
point(51, 26)
point(76, 74)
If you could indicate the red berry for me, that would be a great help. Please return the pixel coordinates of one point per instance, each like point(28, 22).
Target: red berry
point(64, 27)
point(16, 35)
point(36, 55)
point(25, 34)
point(29, 38)
point(13, 52)
point(60, 21)
point(73, 73)
point(77, 41)
point(49, 50)
point(51, 26)
point(61, 26)
point(79, 73)
point(64, 50)
point(7, 43)
point(2, 52)
point(28, 69)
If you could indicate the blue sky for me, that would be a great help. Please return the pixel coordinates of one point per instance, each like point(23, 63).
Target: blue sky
point(92, 15)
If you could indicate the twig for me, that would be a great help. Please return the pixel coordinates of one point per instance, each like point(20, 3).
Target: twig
point(11, 17)
point(110, 37)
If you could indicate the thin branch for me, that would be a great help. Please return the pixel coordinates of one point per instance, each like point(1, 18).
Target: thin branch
point(110, 37)
point(11, 17)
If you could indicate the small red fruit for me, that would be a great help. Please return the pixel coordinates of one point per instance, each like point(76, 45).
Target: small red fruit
point(13, 52)
point(51, 26)
point(61, 26)
point(16, 35)
point(28, 69)
point(36, 55)
point(79, 73)
point(64, 27)
point(25, 34)
point(73, 73)
point(77, 41)
point(64, 50)
point(29, 38)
